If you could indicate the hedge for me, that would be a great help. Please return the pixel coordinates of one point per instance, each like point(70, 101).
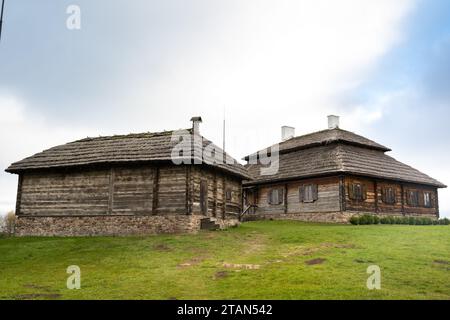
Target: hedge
point(371, 219)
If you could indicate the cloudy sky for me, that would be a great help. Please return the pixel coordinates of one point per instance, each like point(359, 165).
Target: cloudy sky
point(140, 65)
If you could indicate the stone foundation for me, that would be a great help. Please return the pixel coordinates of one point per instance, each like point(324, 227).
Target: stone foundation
point(329, 217)
point(322, 217)
point(111, 225)
point(396, 215)
point(226, 223)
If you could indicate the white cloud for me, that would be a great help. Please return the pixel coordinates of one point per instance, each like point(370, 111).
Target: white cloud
point(270, 63)
point(22, 134)
point(273, 63)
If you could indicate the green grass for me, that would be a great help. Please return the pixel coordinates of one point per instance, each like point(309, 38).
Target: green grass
point(414, 262)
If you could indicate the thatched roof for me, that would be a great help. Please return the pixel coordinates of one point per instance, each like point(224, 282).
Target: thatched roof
point(325, 137)
point(122, 149)
point(351, 155)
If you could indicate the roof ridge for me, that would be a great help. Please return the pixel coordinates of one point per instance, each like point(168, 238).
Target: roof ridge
point(324, 137)
point(130, 135)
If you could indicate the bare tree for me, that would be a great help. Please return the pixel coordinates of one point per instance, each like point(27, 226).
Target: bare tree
point(8, 223)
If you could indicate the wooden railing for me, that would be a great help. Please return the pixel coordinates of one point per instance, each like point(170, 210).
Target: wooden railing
point(246, 211)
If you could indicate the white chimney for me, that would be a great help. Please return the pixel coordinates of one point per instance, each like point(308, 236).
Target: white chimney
point(333, 122)
point(196, 124)
point(287, 133)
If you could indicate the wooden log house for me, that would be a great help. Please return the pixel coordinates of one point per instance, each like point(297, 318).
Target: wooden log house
point(126, 184)
point(130, 184)
point(331, 175)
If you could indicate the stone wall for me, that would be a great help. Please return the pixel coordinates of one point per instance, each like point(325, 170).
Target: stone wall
point(226, 223)
point(106, 225)
point(327, 217)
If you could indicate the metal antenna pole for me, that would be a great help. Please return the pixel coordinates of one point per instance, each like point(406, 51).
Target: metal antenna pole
point(223, 147)
point(1, 18)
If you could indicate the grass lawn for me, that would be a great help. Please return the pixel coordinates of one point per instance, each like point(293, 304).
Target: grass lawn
point(258, 260)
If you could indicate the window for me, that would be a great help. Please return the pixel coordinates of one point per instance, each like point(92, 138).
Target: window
point(228, 195)
point(275, 196)
point(427, 199)
point(308, 193)
point(357, 191)
point(413, 198)
point(388, 195)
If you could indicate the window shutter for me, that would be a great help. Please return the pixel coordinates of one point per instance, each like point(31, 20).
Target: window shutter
point(408, 198)
point(315, 191)
point(280, 196)
point(351, 191)
point(363, 191)
point(269, 197)
point(301, 192)
point(421, 201)
point(274, 196)
point(394, 195)
point(383, 195)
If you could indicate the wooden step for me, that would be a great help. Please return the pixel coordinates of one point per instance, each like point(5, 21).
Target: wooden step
point(208, 224)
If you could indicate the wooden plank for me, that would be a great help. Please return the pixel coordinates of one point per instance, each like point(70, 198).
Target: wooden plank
point(437, 203)
point(342, 194)
point(241, 209)
point(19, 194)
point(155, 190)
point(224, 197)
point(215, 195)
point(375, 186)
point(403, 199)
point(188, 193)
point(285, 200)
point(111, 191)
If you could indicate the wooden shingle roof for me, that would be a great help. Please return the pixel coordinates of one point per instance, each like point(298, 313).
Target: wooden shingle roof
point(338, 156)
point(120, 149)
point(325, 137)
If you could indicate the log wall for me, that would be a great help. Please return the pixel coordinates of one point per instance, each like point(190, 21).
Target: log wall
point(79, 193)
point(218, 183)
point(137, 190)
point(334, 203)
point(374, 202)
point(328, 197)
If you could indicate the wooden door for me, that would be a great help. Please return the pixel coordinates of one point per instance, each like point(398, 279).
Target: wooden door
point(204, 197)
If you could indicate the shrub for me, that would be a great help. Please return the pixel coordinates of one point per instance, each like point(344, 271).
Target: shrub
point(354, 220)
point(391, 220)
point(366, 219)
point(384, 220)
point(376, 220)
